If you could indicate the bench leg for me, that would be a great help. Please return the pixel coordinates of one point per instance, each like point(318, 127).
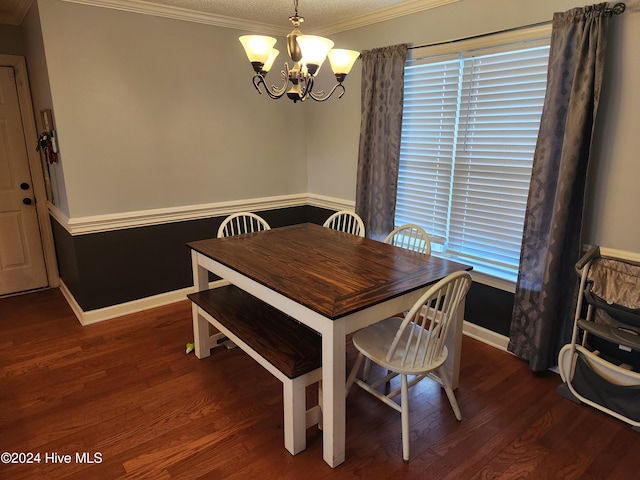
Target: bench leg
point(200, 333)
point(295, 422)
point(203, 339)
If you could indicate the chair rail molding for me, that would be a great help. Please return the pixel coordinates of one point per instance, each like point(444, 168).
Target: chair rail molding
point(142, 218)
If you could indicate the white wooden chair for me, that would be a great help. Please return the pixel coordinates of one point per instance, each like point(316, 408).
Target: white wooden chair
point(410, 236)
point(346, 221)
point(240, 223)
point(413, 345)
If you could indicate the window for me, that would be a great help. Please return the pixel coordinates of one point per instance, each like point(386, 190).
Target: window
point(470, 124)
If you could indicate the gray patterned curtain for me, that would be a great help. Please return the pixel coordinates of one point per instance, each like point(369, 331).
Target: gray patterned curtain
point(380, 130)
point(544, 303)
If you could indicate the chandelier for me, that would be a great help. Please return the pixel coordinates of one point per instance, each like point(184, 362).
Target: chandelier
point(307, 52)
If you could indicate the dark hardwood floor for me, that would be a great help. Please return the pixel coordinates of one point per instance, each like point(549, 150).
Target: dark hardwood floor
point(124, 394)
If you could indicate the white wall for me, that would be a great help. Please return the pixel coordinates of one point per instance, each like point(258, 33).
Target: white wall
point(613, 214)
point(333, 131)
point(41, 96)
point(613, 209)
point(156, 113)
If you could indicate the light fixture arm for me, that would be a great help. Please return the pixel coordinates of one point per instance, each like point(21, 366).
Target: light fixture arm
point(305, 90)
point(259, 80)
point(321, 97)
point(273, 92)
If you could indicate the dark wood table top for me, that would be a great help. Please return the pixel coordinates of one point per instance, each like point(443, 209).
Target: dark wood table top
point(330, 272)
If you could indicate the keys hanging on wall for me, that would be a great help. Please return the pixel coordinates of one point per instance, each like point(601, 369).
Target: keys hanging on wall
point(47, 144)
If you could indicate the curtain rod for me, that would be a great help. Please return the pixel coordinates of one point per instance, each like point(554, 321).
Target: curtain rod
point(482, 35)
point(617, 9)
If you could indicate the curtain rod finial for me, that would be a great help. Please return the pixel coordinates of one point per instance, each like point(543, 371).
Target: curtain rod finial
point(617, 9)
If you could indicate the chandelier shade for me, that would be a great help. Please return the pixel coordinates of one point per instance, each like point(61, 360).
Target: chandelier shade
point(314, 51)
point(270, 60)
point(257, 47)
point(342, 60)
point(308, 53)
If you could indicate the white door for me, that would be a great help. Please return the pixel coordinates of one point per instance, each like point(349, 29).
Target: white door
point(22, 265)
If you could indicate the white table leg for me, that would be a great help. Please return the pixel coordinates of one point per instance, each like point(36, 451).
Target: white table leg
point(333, 394)
point(200, 324)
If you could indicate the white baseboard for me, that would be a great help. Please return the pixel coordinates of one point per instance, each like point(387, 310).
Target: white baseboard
point(485, 335)
point(115, 311)
point(100, 315)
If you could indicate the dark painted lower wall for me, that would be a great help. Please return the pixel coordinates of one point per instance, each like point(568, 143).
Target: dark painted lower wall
point(110, 268)
point(490, 308)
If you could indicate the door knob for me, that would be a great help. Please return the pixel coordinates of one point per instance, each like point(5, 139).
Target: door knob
point(27, 201)
point(24, 186)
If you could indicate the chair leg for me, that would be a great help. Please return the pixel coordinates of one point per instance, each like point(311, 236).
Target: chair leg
point(365, 371)
point(353, 373)
point(404, 403)
point(446, 384)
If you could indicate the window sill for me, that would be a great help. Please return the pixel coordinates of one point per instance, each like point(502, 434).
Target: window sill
point(485, 274)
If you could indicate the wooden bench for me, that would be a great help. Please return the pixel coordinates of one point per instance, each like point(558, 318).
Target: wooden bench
point(289, 350)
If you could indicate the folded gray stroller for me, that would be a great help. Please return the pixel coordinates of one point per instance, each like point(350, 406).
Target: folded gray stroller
point(601, 365)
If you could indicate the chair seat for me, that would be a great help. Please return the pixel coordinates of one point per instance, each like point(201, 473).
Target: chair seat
point(374, 342)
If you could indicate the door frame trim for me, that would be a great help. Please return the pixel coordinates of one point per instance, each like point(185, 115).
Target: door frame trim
point(35, 164)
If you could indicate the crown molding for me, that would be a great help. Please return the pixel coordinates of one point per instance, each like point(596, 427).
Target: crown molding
point(178, 13)
point(388, 13)
point(16, 13)
point(184, 14)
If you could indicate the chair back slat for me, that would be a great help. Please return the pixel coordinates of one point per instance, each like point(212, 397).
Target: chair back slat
point(410, 236)
point(421, 337)
point(241, 223)
point(346, 221)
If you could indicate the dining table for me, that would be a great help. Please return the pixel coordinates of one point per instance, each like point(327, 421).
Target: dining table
point(333, 282)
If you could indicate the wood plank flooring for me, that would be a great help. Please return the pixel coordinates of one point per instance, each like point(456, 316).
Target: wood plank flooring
point(124, 394)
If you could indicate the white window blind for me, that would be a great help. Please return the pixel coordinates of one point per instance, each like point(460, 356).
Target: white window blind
point(469, 131)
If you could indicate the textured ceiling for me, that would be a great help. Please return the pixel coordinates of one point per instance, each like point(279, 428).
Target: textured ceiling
point(316, 13)
point(321, 16)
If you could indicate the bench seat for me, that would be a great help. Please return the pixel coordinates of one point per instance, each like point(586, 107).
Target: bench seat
point(291, 347)
point(291, 351)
